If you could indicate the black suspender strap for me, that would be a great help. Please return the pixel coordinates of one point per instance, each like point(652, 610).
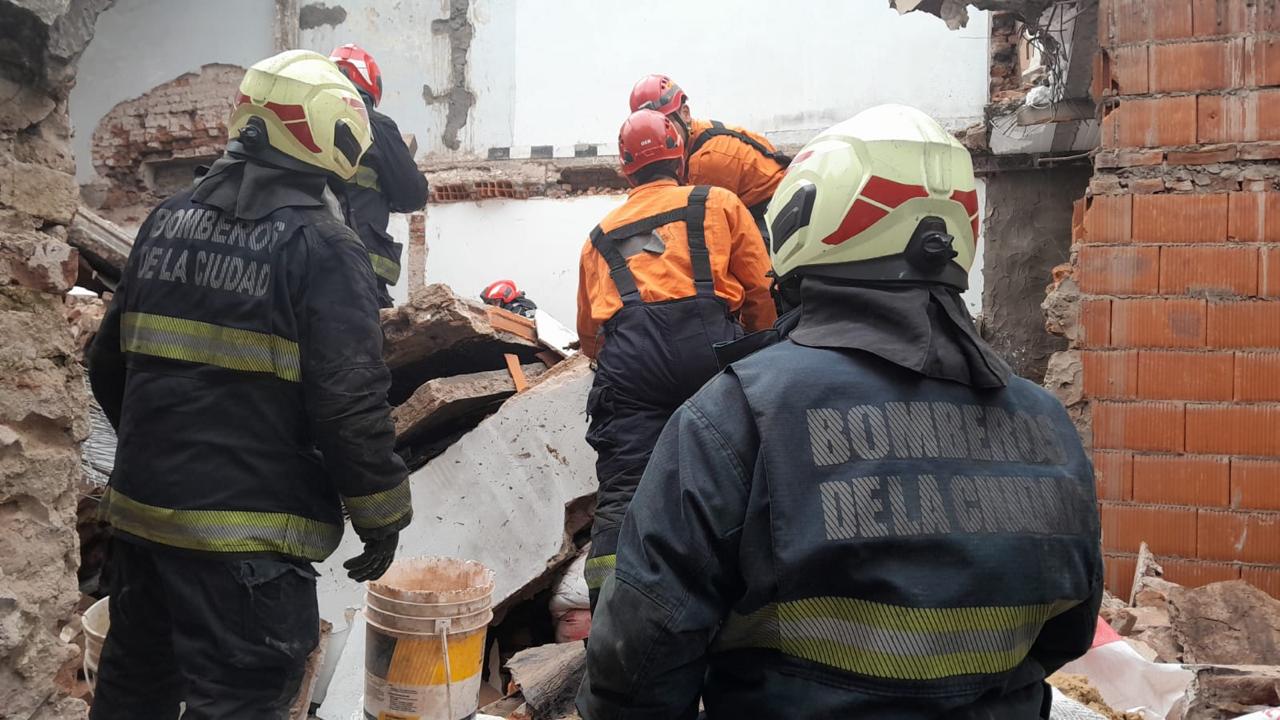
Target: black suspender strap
point(693, 215)
point(699, 258)
point(718, 129)
point(618, 270)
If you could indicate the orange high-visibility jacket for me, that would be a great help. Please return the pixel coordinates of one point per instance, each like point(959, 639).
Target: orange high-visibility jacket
point(739, 263)
point(727, 162)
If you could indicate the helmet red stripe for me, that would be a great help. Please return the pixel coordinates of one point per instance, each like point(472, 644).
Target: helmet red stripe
point(861, 216)
point(889, 193)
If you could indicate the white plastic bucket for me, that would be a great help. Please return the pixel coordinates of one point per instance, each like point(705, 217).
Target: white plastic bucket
point(425, 625)
point(96, 622)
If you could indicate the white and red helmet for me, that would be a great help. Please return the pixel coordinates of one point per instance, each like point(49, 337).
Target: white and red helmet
point(360, 69)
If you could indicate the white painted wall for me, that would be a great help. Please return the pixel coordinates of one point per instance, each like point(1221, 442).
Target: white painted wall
point(139, 44)
point(558, 72)
point(536, 243)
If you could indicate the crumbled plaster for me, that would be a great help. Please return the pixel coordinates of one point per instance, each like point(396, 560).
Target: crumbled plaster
point(457, 98)
point(316, 15)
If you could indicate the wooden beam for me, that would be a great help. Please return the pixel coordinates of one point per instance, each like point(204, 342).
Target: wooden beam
point(517, 373)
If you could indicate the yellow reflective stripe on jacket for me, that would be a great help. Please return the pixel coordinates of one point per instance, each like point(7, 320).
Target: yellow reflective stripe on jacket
point(385, 268)
point(380, 509)
point(200, 342)
point(890, 641)
point(367, 177)
point(222, 531)
point(599, 569)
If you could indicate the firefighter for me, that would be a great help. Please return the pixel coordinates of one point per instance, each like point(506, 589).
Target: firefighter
point(241, 365)
point(387, 180)
point(662, 278)
point(871, 517)
point(505, 294)
point(726, 156)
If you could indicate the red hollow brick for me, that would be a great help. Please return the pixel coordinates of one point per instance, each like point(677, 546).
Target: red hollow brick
point(1204, 65)
point(1138, 20)
point(1113, 471)
point(1153, 122)
point(1118, 573)
point(1255, 484)
point(1245, 324)
point(1181, 480)
point(1232, 429)
point(1165, 375)
point(1129, 70)
point(1158, 322)
point(1180, 218)
point(1232, 270)
point(1155, 426)
point(1207, 155)
point(1266, 579)
point(1110, 375)
point(1195, 573)
point(1238, 118)
point(1220, 17)
point(1257, 376)
point(1095, 322)
point(1109, 219)
point(1119, 270)
point(1269, 271)
point(1234, 535)
point(1254, 217)
point(1166, 530)
point(1262, 60)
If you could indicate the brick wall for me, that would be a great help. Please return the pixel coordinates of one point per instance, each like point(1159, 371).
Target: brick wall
point(1178, 263)
point(184, 119)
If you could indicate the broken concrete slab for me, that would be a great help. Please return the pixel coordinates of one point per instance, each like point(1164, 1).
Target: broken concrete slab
point(101, 242)
point(1220, 692)
point(1228, 622)
point(509, 494)
point(441, 401)
point(548, 677)
point(439, 334)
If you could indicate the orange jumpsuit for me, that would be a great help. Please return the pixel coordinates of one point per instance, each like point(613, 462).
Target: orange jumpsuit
point(739, 262)
point(730, 163)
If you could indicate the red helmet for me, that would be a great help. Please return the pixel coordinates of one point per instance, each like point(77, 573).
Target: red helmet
point(648, 137)
point(500, 292)
point(360, 69)
point(657, 92)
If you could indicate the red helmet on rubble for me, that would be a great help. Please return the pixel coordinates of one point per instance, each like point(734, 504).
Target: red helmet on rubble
point(360, 69)
point(657, 92)
point(648, 137)
point(500, 292)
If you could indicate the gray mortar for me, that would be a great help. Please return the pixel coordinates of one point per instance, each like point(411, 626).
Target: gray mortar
point(318, 14)
point(458, 98)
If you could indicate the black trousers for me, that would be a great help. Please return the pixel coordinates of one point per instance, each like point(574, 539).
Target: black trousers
point(655, 357)
point(228, 637)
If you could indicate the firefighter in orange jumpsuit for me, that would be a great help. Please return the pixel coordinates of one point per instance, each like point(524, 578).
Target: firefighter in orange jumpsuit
point(662, 279)
point(726, 156)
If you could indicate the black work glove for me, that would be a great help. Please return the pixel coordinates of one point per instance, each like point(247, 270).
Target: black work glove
point(376, 558)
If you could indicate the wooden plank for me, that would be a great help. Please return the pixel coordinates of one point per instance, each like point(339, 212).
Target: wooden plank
point(517, 373)
point(510, 322)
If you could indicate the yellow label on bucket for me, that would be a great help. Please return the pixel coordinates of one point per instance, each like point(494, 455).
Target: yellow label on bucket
point(406, 677)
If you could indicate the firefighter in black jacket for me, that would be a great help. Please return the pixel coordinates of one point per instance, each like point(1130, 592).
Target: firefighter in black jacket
point(241, 365)
point(388, 179)
point(871, 518)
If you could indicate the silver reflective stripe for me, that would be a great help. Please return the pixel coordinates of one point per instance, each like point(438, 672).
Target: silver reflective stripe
point(598, 570)
point(200, 342)
point(379, 509)
point(222, 531)
point(889, 641)
point(385, 268)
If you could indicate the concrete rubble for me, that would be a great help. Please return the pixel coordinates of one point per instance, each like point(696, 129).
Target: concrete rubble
point(439, 334)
